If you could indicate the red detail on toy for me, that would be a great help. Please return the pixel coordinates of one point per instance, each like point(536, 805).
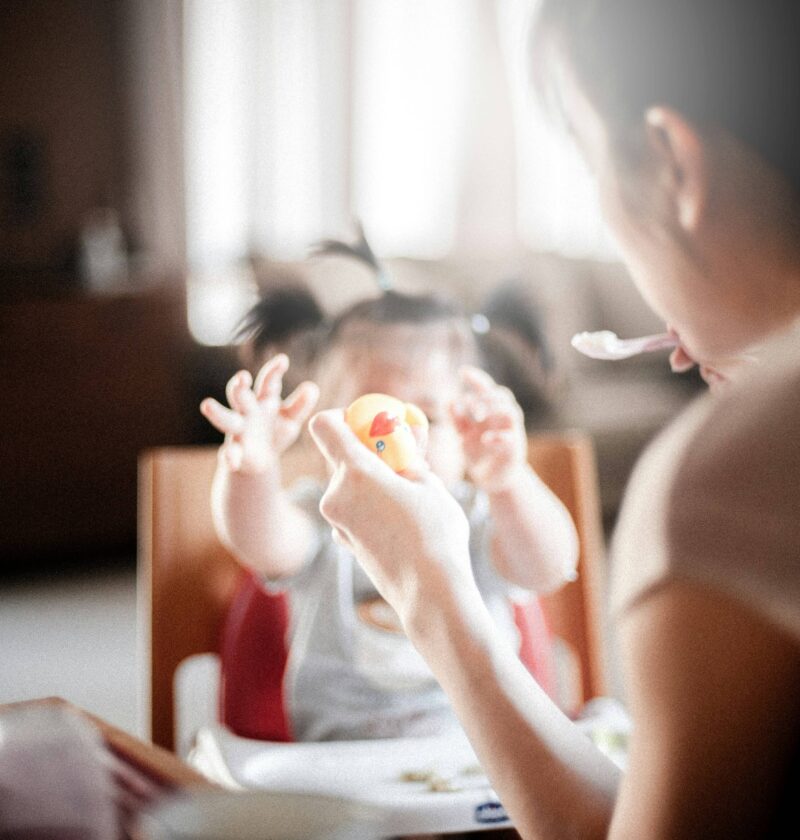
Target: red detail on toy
point(383, 424)
point(253, 655)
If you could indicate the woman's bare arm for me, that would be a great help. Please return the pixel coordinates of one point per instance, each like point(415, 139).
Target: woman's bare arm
point(549, 775)
point(412, 538)
point(713, 688)
point(714, 691)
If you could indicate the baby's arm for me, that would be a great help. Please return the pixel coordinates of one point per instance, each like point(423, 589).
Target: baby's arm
point(252, 513)
point(534, 542)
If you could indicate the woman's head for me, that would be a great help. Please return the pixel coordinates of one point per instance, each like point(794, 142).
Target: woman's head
point(685, 113)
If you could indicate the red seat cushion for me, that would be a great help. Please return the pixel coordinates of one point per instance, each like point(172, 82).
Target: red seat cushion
point(536, 644)
point(253, 655)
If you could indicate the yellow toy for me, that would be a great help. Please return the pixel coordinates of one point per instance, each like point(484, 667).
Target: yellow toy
point(387, 426)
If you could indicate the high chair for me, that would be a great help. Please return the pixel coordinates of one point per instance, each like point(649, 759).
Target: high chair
point(194, 598)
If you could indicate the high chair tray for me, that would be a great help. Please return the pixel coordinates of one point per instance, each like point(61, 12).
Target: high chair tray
point(395, 779)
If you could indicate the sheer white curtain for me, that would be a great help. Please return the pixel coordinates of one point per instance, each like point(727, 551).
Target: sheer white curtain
point(410, 99)
point(413, 116)
point(557, 207)
point(152, 108)
point(266, 140)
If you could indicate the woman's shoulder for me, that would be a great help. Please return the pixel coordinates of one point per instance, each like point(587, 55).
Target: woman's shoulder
point(741, 449)
point(713, 500)
point(751, 418)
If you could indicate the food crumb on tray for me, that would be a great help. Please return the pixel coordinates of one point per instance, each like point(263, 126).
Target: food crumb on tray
point(441, 783)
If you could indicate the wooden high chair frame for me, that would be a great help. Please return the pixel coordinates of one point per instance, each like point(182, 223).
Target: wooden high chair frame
point(186, 579)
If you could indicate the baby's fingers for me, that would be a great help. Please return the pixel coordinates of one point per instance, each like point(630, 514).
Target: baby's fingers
point(300, 403)
point(270, 378)
point(238, 389)
point(472, 414)
point(460, 416)
point(494, 439)
point(233, 455)
point(226, 421)
point(477, 380)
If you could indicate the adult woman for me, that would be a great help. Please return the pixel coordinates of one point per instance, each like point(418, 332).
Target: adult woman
point(685, 114)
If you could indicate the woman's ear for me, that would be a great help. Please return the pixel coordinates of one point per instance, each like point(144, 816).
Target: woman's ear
point(680, 153)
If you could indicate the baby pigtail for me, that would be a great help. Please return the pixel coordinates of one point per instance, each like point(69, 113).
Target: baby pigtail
point(360, 251)
point(286, 319)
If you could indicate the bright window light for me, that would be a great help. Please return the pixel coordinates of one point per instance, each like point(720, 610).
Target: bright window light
point(255, 180)
point(410, 79)
point(288, 156)
point(557, 207)
point(217, 130)
point(301, 115)
point(216, 300)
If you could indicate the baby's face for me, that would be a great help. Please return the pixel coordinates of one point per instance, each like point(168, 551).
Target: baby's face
point(422, 372)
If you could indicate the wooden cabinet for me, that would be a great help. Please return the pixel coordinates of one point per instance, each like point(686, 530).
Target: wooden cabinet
point(87, 383)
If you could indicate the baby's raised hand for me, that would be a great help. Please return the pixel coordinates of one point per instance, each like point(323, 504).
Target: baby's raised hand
point(259, 426)
point(492, 429)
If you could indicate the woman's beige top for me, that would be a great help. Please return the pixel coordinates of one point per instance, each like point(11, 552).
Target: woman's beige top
point(715, 499)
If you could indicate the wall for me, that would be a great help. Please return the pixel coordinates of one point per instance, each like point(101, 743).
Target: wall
point(60, 125)
point(88, 380)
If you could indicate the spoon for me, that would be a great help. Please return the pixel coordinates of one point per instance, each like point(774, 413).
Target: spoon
point(607, 345)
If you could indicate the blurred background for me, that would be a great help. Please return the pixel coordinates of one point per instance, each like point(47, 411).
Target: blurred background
point(162, 160)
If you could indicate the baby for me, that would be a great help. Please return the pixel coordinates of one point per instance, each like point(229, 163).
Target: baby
point(351, 672)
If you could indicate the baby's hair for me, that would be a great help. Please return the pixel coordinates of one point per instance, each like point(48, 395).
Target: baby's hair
point(391, 307)
point(359, 251)
point(278, 315)
point(286, 319)
point(510, 342)
point(397, 308)
point(511, 307)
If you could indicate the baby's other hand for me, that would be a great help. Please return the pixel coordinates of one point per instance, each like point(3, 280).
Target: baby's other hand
point(492, 429)
point(259, 426)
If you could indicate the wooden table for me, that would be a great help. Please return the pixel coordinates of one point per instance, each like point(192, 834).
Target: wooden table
point(142, 773)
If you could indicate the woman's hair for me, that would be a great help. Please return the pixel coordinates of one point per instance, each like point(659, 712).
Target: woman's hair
point(509, 341)
point(733, 64)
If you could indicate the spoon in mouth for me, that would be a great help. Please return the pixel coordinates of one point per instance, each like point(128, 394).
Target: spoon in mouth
point(605, 344)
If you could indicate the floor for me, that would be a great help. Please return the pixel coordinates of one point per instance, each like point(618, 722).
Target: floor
point(73, 635)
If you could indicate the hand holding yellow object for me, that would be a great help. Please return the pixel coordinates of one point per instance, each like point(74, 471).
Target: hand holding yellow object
point(391, 428)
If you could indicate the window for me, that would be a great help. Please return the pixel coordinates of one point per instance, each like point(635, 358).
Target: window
point(412, 116)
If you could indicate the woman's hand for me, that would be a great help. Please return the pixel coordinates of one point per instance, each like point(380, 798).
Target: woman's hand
point(407, 531)
point(258, 426)
point(492, 429)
